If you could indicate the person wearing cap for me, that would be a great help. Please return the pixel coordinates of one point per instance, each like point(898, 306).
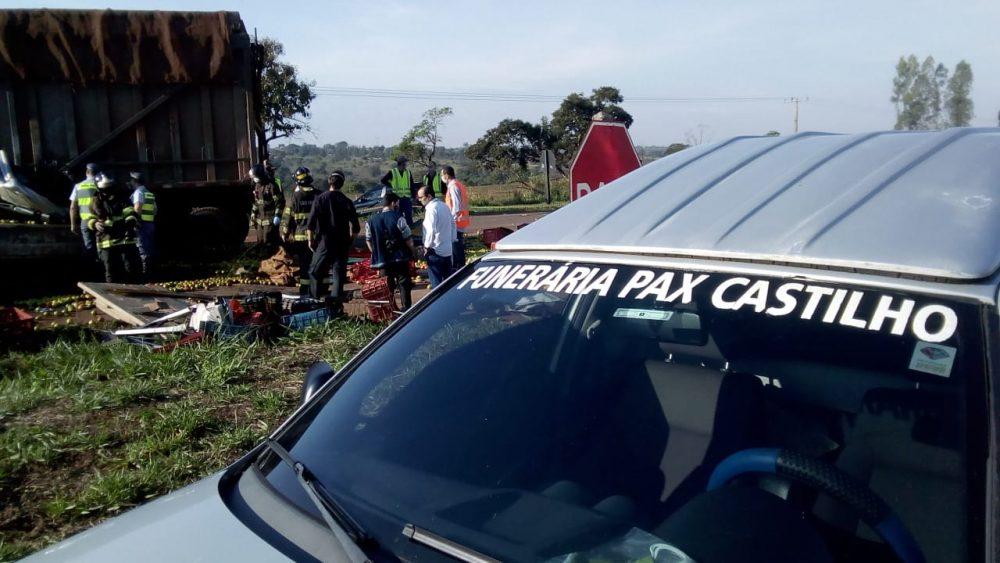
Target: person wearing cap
point(114, 223)
point(144, 206)
point(81, 201)
point(331, 228)
point(400, 180)
point(269, 202)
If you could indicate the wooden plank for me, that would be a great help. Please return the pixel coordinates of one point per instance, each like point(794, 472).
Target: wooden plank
point(121, 128)
point(34, 130)
point(126, 308)
point(69, 114)
point(175, 142)
point(15, 136)
point(239, 125)
point(207, 134)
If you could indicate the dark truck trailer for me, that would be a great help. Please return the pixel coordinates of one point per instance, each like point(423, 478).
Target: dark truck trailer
point(173, 94)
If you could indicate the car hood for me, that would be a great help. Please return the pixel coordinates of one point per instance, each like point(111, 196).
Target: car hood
point(191, 524)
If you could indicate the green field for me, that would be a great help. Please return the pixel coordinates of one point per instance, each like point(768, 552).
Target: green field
point(88, 430)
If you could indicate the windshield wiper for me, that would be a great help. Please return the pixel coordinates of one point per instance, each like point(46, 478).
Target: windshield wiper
point(333, 512)
point(446, 546)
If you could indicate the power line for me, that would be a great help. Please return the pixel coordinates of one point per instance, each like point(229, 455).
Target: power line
point(349, 92)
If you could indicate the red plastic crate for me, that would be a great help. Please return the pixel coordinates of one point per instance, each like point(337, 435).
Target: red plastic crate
point(381, 313)
point(376, 290)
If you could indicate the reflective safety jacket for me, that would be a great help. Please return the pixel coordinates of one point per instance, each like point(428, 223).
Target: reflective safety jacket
point(85, 192)
point(297, 213)
point(114, 209)
point(459, 208)
point(401, 181)
point(148, 214)
point(434, 182)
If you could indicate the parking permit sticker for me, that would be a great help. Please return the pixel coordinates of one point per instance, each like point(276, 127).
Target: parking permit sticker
point(933, 358)
point(648, 314)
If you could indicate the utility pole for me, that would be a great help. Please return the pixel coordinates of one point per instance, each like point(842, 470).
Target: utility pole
point(796, 100)
point(548, 184)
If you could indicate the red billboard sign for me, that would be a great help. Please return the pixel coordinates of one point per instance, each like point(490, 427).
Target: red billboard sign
point(606, 154)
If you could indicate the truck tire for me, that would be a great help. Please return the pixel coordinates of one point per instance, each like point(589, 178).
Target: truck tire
point(216, 231)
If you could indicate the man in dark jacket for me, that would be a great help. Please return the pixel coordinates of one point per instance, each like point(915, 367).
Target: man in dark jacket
point(331, 228)
point(388, 237)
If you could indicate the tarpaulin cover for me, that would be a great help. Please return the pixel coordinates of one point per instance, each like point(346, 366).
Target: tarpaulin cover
point(118, 47)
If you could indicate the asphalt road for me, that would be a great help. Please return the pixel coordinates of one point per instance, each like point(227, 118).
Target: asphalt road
point(480, 222)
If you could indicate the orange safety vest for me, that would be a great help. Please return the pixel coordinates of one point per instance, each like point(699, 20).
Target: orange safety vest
point(459, 209)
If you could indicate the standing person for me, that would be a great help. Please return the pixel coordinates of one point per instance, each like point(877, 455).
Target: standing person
point(388, 238)
point(433, 179)
point(144, 206)
point(269, 201)
point(114, 223)
point(457, 199)
point(439, 235)
point(331, 228)
point(296, 217)
point(400, 180)
point(81, 201)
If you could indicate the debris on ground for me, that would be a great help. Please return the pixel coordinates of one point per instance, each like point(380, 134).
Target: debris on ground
point(281, 268)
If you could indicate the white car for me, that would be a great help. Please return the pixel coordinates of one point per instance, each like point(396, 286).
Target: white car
point(766, 349)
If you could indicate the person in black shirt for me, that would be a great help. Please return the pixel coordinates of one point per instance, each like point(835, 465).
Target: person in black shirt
point(331, 228)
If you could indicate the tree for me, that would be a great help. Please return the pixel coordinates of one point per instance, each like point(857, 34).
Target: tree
point(959, 104)
point(285, 98)
point(676, 147)
point(510, 148)
point(570, 122)
point(421, 142)
point(921, 90)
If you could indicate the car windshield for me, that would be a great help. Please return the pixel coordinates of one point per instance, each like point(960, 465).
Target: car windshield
point(545, 411)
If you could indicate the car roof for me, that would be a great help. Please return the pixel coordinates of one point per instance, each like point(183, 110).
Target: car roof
point(914, 204)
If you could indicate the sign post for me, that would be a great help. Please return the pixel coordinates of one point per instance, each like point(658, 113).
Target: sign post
point(606, 154)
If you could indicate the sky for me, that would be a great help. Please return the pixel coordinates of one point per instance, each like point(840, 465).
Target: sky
point(839, 57)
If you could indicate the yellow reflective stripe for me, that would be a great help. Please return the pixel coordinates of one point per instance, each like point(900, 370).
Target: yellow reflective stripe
point(301, 216)
point(298, 236)
point(148, 218)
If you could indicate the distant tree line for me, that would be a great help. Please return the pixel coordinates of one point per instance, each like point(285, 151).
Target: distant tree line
point(926, 97)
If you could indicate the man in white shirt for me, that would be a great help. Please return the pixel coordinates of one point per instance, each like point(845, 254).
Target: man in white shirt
point(439, 235)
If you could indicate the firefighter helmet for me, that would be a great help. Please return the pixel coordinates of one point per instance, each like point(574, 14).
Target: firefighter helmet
point(303, 177)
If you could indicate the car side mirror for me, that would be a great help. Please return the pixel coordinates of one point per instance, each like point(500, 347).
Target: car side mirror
point(319, 373)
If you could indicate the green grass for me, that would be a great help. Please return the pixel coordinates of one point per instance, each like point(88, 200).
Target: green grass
point(525, 208)
point(88, 430)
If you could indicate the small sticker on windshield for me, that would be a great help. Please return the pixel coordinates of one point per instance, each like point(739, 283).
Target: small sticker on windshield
point(647, 314)
point(933, 358)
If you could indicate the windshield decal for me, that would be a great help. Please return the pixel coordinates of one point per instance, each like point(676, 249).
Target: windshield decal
point(857, 309)
point(933, 358)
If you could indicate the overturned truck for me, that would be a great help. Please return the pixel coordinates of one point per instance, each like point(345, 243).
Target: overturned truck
point(172, 94)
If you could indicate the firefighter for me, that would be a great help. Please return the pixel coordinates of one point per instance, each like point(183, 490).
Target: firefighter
point(400, 180)
point(114, 223)
point(269, 201)
point(144, 206)
point(295, 221)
